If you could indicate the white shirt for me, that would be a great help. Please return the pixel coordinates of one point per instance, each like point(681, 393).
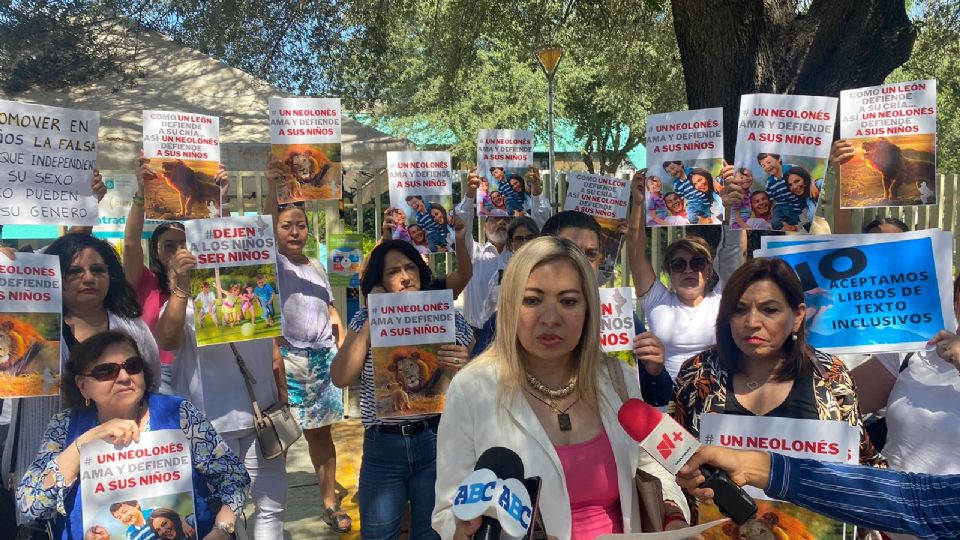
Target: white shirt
point(210, 378)
point(486, 261)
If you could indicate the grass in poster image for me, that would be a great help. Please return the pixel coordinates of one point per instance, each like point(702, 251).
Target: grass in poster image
point(409, 380)
point(311, 171)
point(181, 189)
point(910, 159)
point(227, 308)
point(168, 510)
point(29, 354)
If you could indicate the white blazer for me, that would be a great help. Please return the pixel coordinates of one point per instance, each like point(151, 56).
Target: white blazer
point(472, 422)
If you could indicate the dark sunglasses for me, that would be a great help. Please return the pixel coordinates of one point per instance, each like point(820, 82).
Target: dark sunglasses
point(109, 372)
point(696, 264)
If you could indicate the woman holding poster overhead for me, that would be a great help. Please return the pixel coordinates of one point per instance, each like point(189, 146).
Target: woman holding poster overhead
point(682, 316)
point(546, 391)
point(399, 454)
point(105, 389)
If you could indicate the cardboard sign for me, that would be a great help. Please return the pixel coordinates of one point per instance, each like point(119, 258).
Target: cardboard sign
point(421, 199)
point(234, 286)
point(47, 158)
point(606, 199)
point(30, 306)
point(503, 156)
point(684, 157)
point(305, 136)
point(783, 143)
point(893, 129)
point(183, 153)
point(406, 331)
point(859, 299)
point(143, 490)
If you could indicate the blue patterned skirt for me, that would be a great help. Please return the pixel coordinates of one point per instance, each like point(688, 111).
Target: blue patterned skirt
point(316, 402)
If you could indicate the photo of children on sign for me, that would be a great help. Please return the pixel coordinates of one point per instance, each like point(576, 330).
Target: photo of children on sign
point(168, 517)
point(504, 157)
point(182, 151)
point(29, 354)
point(305, 137)
point(421, 199)
point(893, 131)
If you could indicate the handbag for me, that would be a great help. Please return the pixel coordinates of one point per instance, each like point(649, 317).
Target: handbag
point(276, 427)
point(649, 488)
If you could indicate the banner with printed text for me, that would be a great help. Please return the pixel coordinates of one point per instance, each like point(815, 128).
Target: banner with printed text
point(860, 299)
point(143, 490)
point(407, 331)
point(822, 440)
point(617, 328)
point(115, 207)
point(47, 158)
point(345, 254)
point(605, 198)
point(503, 156)
point(421, 200)
point(893, 130)
point(305, 136)
point(30, 306)
point(183, 154)
point(684, 158)
point(783, 144)
point(234, 286)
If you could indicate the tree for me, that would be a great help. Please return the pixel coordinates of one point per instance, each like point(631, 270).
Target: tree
point(812, 47)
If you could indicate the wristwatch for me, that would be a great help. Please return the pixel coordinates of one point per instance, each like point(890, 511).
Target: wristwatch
point(226, 527)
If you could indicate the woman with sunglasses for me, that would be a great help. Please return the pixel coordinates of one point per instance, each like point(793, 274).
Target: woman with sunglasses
point(105, 388)
point(152, 284)
point(682, 316)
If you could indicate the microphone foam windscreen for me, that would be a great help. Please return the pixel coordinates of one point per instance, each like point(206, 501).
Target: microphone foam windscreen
point(638, 418)
point(505, 463)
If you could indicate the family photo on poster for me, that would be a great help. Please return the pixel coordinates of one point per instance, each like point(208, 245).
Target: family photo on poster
point(421, 200)
point(783, 143)
point(503, 159)
point(305, 137)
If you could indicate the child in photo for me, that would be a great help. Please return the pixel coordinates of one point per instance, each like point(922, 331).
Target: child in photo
point(399, 218)
point(246, 303)
point(483, 194)
point(265, 294)
point(656, 207)
point(206, 305)
point(704, 209)
point(802, 186)
point(231, 299)
point(743, 177)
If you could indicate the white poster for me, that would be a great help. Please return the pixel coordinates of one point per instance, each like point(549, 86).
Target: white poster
point(503, 156)
point(305, 136)
point(616, 319)
point(421, 200)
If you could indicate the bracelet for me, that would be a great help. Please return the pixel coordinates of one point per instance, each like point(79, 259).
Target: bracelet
point(178, 292)
point(138, 200)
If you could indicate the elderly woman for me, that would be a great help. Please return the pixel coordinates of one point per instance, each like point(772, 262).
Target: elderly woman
point(546, 391)
point(105, 389)
point(399, 454)
point(762, 365)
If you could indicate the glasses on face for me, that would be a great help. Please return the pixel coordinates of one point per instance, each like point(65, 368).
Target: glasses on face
point(110, 371)
point(679, 265)
point(520, 240)
point(97, 270)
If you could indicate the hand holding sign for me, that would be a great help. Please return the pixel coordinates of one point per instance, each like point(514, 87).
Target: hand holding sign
point(948, 346)
point(118, 432)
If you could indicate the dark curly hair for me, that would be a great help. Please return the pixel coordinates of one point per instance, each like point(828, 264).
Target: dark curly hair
point(121, 298)
point(376, 264)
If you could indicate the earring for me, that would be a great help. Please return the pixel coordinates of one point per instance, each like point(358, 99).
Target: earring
point(86, 402)
point(793, 336)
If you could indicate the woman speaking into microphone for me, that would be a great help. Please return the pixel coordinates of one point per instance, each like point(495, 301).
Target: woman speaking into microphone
point(545, 390)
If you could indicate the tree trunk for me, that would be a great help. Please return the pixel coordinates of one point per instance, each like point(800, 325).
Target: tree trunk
point(734, 47)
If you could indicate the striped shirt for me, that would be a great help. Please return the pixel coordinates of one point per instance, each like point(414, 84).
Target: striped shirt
point(778, 191)
point(924, 505)
point(368, 401)
point(514, 199)
point(697, 203)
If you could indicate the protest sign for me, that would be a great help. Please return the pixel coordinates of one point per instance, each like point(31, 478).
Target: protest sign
point(143, 490)
point(893, 129)
point(183, 154)
point(617, 328)
point(503, 156)
point(684, 157)
point(783, 143)
point(421, 199)
point(606, 199)
point(822, 440)
point(115, 207)
point(305, 137)
point(345, 255)
point(47, 157)
point(234, 286)
point(406, 332)
point(30, 306)
point(860, 299)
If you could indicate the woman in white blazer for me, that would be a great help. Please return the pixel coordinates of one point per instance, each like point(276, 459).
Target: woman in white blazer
point(544, 391)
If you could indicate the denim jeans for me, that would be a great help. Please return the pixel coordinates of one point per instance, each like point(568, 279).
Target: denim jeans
point(396, 469)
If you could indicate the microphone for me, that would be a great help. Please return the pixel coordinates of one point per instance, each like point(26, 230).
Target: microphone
point(671, 446)
point(495, 490)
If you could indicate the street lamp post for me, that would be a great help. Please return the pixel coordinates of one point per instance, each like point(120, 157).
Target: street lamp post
point(549, 58)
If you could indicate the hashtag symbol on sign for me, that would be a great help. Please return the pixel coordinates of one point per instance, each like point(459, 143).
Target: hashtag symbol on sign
point(708, 439)
point(209, 235)
point(88, 462)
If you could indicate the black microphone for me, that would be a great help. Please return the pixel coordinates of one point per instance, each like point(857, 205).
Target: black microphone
point(505, 463)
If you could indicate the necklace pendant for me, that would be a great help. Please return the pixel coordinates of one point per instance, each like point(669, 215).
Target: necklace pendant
point(564, 420)
point(752, 385)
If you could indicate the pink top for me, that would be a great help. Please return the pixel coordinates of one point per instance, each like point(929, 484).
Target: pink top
point(591, 473)
point(151, 300)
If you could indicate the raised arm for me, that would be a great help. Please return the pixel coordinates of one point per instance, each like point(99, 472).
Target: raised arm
point(274, 173)
point(640, 267)
point(458, 279)
point(133, 259)
point(540, 211)
point(170, 327)
point(100, 190)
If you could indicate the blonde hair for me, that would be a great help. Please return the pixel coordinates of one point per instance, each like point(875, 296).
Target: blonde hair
point(505, 351)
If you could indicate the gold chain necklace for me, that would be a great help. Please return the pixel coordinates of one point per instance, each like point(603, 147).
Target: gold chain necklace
point(559, 393)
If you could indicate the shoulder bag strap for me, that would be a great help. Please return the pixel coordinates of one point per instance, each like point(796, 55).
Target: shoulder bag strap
point(248, 381)
point(905, 363)
point(616, 377)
